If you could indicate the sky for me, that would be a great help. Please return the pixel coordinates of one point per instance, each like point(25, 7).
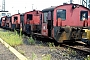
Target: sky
point(28, 5)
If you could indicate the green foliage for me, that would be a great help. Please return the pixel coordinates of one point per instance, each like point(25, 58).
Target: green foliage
point(20, 32)
point(88, 57)
point(74, 52)
point(11, 38)
point(21, 51)
point(34, 56)
point(15, 32)
point(71, 52)
point(52, 46)
point(31, 41)
point(46, 57)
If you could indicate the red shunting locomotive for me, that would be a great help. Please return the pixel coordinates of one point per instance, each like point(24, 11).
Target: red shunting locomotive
point(65, 22)
point(61, 23)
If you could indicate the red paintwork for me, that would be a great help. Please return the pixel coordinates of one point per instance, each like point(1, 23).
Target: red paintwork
point(44, 30)
point(59, 22)
point(35, 20)
point(8, 22)
point(72, 18)
point(17, 21)
point(3, 21)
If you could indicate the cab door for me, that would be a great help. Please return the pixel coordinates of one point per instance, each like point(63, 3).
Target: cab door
point(44, 24)
point(47, 23)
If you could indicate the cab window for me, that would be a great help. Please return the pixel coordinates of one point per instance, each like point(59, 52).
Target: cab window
point(15, 18)
point(61, 13)
point(83, 15)
point(45, 17)
point(29, 16)
point(3, 14)
point(49, 15)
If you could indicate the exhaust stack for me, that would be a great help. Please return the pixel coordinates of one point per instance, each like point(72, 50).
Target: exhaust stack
point(71, 1)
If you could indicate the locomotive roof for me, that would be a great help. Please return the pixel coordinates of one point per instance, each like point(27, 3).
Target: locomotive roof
point(49, 9)
point(18, 14)
point(32, 11)
point(53, 7)
point(74, 4)
point(8, 16)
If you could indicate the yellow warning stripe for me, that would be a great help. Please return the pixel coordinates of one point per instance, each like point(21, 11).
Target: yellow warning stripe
point(19, 55)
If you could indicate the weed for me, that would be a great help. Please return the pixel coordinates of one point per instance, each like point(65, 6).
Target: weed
point(88, 57)
point(71, 52)
point(11, 38)
point(74, 52)
point(46, 57)
point(23, 36)
point(20, 32)
point(21, 51)
point(52, 46)
point(15, 32)
point(31, 41)
point(65, 54)
point(34, 56)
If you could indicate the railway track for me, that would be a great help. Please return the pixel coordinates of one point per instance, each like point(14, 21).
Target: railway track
point(82, 47)
point(78, 45)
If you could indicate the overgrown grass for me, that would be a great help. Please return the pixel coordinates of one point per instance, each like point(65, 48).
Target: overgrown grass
point(52, 46)
point(71, 52)
point(11, 38)
point(46, 57)
point(34, 56)
point(31, 41)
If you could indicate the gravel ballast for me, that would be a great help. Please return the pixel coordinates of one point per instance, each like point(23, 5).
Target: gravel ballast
point(5, 54)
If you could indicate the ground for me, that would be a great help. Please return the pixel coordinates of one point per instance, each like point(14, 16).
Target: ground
point(41, 51)
point(5, 54)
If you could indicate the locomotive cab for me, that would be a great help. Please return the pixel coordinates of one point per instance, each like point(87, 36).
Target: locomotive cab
point(17, 21)
point(64, 23)
point(47, 21)
point(51, 27)
point(32, 22)
point(8, 22)
point(4, 13)
point(3, 20)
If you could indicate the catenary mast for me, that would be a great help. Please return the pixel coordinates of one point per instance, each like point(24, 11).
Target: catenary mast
point(71, 1)
point(3, 5)
point(86, 3)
